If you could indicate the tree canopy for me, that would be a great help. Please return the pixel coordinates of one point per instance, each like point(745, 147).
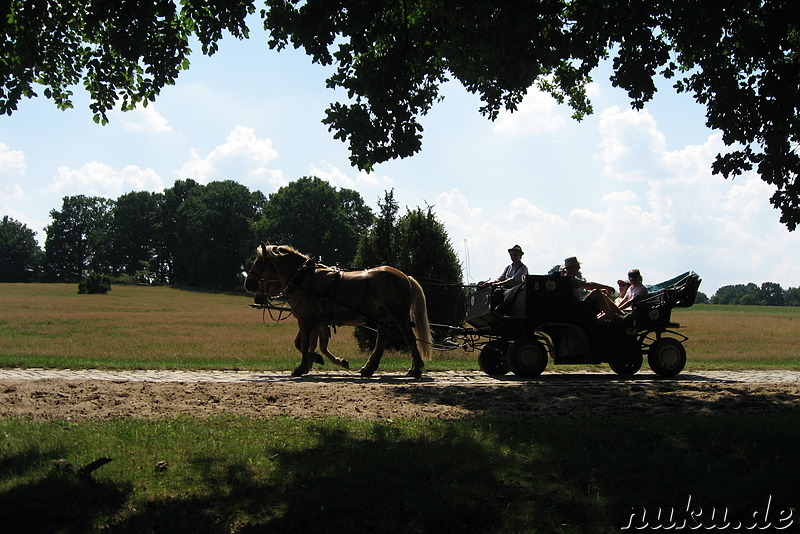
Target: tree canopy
point(738, 58)
point(20, 257)
point(317, 218)
point(76, 238)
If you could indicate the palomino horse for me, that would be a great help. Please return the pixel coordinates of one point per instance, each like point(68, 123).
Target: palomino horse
point(321, 296)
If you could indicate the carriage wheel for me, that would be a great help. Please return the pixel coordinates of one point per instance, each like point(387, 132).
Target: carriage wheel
point(629, 366)
point(666, 356)
point(492, 358)
point(527, 357)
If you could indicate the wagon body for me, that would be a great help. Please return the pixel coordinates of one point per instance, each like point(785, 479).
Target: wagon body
point(546, 323)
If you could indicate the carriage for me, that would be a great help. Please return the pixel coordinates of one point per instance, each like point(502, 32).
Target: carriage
point(546, 322)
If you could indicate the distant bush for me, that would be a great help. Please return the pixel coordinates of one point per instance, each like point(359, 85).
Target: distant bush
point(94, 283)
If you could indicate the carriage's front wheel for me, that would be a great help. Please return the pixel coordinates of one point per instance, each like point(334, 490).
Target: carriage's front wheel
point(666, 356)
point(527, 357)
point(492, 358)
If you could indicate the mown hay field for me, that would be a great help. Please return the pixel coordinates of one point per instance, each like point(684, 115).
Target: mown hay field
point(51, 325)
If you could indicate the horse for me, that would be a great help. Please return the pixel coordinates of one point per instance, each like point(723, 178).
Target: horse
point(321, 296)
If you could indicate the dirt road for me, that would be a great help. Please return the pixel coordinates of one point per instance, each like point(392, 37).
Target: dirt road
point(102, 395)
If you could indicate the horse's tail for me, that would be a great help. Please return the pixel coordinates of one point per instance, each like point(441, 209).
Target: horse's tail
point(419, 316)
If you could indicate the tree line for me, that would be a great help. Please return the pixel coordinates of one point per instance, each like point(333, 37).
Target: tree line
point(205, 236)
point(768, 294)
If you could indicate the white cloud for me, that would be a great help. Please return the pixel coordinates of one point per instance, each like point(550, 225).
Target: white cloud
point(338, 178)
point(12, 169)
point(144, 119)
point(672, 215)
point(243, 157)
point(12, 163)
point(11, 191)
point(627, 138)
point(374, 180)
point(99, 179)
point(333, 175)
point(538, 113)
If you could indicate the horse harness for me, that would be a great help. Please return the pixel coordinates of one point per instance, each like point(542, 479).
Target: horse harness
point(300, 281)
point(328, 293)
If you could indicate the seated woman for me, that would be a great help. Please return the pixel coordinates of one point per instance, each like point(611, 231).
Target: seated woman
point(636, 292)
point(623, 288)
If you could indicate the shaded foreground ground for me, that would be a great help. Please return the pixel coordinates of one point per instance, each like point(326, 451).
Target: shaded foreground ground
point(388, 397)
point(580, 452)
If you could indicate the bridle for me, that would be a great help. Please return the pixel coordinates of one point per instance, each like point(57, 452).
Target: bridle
point(264, 283)
point(263, 289)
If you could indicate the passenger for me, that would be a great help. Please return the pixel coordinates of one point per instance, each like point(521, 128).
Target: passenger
point(636, 292)
point(598, 293)
point(509, 283)
point(623, 288)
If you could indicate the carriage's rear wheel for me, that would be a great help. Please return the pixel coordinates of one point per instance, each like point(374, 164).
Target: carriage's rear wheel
point(492, 358)
point(666, 356)
point(527, 357)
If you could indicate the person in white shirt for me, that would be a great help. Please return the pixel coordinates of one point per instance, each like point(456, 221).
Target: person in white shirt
point(636, 292)
point(515, 273)
point(510, 282)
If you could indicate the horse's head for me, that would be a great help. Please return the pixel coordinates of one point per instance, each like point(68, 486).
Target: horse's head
point(262, 280)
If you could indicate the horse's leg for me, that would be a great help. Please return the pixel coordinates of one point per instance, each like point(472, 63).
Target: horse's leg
point(305, 340)
point(324, 337)
point(416, 358)
point(375, 358)
point(312, 346)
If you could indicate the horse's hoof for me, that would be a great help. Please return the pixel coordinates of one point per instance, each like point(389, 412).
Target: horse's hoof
point(299, 372)
point(416, 373)
point(366, 373)
point(317, 358)
point(345, 364)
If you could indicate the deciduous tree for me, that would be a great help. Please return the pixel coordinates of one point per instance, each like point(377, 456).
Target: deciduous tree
point(20, 255)
point(316, 218)
point(134, 232)
point(78, 238)
point(771, 294)
point(215, 235)
point(738, 58)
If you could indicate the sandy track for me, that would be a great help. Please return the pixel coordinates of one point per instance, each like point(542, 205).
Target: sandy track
point(67, 395)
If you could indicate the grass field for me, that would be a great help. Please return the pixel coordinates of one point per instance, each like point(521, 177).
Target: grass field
point(50, 325)
point(578, 474)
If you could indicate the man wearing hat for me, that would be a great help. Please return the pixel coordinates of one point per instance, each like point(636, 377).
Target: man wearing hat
point(515, 273)
point(599, 293)
point(510, 282)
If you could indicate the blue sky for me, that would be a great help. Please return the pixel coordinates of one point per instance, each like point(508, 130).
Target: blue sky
point(621, 189)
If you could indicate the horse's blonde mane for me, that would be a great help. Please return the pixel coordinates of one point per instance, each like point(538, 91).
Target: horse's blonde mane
point(278, 251)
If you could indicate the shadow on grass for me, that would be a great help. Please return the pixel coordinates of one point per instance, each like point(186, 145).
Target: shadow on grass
point(481, 475)
point(384, 481)
point(558, 398)
point(58, 502)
